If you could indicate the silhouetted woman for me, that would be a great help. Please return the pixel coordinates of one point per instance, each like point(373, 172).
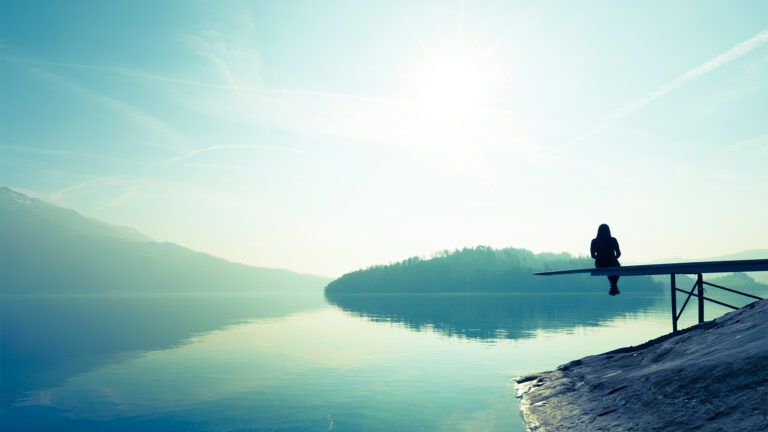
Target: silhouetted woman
point(605, 251)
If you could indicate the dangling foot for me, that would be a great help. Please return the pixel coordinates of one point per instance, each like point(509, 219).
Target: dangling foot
point(614, 290)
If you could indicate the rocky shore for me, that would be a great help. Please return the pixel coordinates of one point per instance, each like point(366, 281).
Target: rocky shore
point(710, 377)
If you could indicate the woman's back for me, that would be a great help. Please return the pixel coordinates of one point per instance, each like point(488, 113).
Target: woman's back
point(605, 251)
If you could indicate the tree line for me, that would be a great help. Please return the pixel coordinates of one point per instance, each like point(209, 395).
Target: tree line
point(479, 269)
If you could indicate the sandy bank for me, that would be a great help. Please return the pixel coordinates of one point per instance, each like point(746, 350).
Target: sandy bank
point(711, 377)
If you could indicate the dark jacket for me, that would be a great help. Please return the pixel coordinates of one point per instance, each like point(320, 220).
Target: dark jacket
point(605, 252)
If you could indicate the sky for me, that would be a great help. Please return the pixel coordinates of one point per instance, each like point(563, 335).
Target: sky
point(323, 137)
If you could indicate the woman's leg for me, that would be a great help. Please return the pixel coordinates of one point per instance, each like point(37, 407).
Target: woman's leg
point(614, 288)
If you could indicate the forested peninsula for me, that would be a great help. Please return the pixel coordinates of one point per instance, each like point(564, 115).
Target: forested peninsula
point(480, 269)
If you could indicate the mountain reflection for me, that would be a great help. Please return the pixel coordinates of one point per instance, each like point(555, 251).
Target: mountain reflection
point(492, 316)
point(47, 339)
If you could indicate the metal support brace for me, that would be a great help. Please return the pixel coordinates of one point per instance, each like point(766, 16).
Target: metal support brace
point(674, 303)
point(700, 283)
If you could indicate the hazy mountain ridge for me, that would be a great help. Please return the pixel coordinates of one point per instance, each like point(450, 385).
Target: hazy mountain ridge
point(760, 277)
point(49, 249)
point(68, 220)
point(743, 255)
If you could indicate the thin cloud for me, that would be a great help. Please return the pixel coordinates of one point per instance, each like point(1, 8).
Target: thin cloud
point(199, 151)
point(230, 45)
point(390, 122)
point(225, 147)
point(52, 152)
point(57, 197)
point(724, 58)
point(383, 121)
point(170, 138)
point(128, 194)
point(120, 71)
point(757, 144)
point(212, 46)
point(149, 76)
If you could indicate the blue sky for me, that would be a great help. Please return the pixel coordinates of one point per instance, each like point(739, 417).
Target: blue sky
point(327, 136)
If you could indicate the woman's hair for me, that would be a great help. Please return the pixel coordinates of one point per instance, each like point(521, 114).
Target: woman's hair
point(603, 232)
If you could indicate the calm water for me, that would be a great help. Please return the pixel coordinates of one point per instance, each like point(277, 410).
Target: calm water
point(262, 363)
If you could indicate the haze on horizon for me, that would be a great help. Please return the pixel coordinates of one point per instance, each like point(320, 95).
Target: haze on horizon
point(327, 137)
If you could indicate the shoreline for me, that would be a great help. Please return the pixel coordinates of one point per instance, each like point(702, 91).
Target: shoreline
point(709, 377)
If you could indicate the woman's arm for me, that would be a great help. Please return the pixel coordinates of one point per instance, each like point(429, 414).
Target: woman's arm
point(616, 248)
point(592, 250)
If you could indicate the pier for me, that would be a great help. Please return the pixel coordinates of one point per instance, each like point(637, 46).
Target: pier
point(688, 268)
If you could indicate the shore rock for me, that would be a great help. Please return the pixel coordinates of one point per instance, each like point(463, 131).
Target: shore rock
point(710, 377)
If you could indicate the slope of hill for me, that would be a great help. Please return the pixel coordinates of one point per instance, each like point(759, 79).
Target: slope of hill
point(48, 249)
point(38, 214)
point(711, 377)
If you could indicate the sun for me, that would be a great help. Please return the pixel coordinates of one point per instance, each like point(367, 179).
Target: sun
point(456, 81)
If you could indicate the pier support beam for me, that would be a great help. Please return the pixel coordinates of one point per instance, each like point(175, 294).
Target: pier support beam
point(700, 293)
point(674, 302)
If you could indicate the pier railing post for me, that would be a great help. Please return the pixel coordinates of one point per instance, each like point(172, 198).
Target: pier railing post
point(700, 293)
point(674, 303)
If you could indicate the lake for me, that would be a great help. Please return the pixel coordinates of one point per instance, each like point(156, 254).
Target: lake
point(301, 363)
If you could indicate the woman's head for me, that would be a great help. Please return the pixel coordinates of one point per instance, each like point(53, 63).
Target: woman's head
point(603, 231)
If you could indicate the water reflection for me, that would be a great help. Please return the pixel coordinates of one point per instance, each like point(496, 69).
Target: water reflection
point(493, 316)
point(177, 363)
point(47, 339)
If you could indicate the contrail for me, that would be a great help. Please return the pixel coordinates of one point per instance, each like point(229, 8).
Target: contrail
point(325, 164)
point(708, 66)
point(171, 138)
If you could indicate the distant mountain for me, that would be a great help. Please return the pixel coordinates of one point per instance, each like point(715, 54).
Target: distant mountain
point(15, 204)
point(760, 277)
point(479, 270)
point(743, 255)
point(49, 249)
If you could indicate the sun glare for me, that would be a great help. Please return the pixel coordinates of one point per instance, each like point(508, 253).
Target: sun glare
point(456, 82)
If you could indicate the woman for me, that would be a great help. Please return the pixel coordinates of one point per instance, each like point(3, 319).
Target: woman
point(606, 253)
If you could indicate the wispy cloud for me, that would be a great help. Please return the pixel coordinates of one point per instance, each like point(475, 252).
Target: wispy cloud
point(722, 59)
point(47, 151)
point(167, 136)
point(757, 145)
point(122, 198)
point(244, 104)
point(225, 147)
point(118, 71)
point(57, 197)
point(229, 44)
point(243, 88)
